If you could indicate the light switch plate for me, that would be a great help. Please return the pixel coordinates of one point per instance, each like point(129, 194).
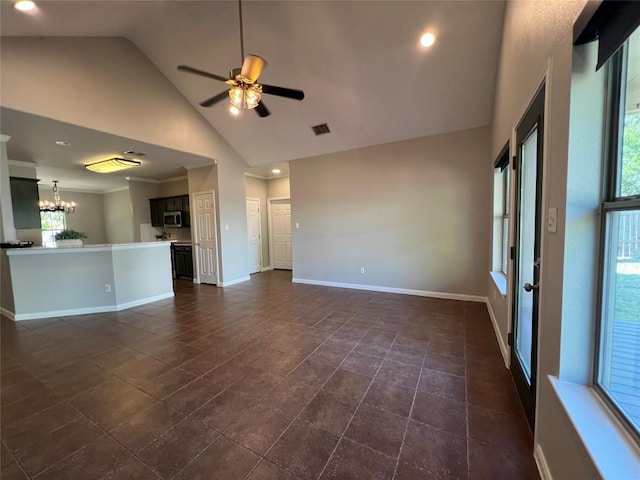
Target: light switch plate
point(552, 220)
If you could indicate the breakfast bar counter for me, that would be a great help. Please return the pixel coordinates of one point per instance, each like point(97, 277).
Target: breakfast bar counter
point(55, 282)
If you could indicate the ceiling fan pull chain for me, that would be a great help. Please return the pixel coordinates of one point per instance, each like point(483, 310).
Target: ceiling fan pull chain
point(241, 32)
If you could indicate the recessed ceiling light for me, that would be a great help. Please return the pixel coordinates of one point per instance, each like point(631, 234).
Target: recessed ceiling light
point(62, 143)
point(234, 110)
point(276, 171)
point(24, 5)
point(427, 39)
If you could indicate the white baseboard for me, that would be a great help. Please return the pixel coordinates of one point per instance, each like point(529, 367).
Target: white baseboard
point(541, 461)
point(403, 291)
point(7, 313)
point(266, 269)
point(88, 310)
point(504, 348)
point(143, 301)
point(233, 282)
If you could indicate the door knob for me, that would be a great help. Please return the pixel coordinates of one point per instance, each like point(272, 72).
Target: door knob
point(528, 287)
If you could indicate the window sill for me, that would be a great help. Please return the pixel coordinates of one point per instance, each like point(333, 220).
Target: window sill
point(612, 450)
point(500, 280)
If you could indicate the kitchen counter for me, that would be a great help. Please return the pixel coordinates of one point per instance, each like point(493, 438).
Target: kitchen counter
point(99, 247)
point(54, 282)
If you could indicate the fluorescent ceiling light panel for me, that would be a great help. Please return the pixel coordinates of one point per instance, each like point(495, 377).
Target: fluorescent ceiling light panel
point(112, 165)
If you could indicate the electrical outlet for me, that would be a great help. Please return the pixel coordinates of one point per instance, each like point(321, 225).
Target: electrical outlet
point(107, 288)
point(297, 225)
point(226, 227)
point(362, 270)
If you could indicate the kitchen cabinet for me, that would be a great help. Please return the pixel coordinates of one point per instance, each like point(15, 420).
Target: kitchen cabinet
point(183, 261)
point(25, 199)
point(157, 212)
point(169, 204)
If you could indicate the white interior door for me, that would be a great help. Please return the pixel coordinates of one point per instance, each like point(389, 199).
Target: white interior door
point(281, 238)
point(205, 233)
point(253, 232)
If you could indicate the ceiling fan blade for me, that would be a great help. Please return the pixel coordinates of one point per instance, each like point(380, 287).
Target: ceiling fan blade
point(215, 99)
point(185, 68)
point(252, 67)
point(283, 92)
point(262, 110)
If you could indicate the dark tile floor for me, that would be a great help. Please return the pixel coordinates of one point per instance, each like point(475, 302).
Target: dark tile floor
point(262, 380)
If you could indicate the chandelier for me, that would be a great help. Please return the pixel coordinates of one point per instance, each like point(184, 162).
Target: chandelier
point(57, 205)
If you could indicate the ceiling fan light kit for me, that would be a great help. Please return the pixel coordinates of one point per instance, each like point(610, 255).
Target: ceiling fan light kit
point(245, 92)
point(112, 165)
point(245, 96)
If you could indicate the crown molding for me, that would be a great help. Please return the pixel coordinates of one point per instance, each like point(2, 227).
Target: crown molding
point(19, 163)
point(253, 175)
point(247, 174)
point(154, 181)
point(113, 190)
point(192, 167)
point(174, 179)
point(140, 179)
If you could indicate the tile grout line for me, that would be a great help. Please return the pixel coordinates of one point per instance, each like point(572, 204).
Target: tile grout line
point(222, 433)
point(17, 460)
point(413, 401)
point(358, 406)
point(307, 404)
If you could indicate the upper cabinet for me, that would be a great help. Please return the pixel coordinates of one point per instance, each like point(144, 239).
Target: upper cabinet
point(169, 204)
point(25, 198)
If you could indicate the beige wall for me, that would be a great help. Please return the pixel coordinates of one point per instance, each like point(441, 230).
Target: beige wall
point(76, 77)
point(415, 214)
point(134, 105)
point(257, 188)
point(537, 42)
point(233, 214)
point(118, 217)
point(177, 187)
point(278, 187)
point(139, 195)
point(89, 216)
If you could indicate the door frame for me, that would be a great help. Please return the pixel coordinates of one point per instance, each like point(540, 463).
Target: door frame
point(270, 201)
point(260, 266)
point(543, 149)
point(194, 236)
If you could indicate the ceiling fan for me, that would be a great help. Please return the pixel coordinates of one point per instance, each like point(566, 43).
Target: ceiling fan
point(245, 91)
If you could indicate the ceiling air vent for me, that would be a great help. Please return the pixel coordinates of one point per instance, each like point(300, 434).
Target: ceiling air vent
point(134, 154)
point(320, 129)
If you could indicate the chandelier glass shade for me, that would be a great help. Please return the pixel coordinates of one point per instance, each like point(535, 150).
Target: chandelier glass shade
point(245, 95)
point(57, 205)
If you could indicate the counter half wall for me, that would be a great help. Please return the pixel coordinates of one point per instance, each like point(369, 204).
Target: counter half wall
point(57, 282)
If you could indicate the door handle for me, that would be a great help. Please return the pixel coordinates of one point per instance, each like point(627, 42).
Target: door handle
point(528, 287)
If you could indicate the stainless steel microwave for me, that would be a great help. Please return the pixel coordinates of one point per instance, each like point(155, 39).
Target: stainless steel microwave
point(173, 219)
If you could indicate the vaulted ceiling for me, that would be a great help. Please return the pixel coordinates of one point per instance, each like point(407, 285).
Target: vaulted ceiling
point(359, 63)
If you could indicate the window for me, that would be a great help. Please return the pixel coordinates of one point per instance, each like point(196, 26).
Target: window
point(618, 365)
point(51, 223)
point(504, 262)
point(501, 218)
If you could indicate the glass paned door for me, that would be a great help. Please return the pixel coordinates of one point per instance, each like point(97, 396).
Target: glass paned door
point(527, 259)
point(527, 240)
